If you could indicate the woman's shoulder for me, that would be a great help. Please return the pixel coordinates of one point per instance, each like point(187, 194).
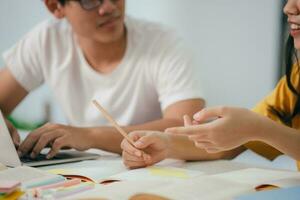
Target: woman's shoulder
point(295, 76)
point(281, 97)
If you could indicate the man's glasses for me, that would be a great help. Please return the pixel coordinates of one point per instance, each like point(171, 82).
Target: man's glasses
point(92, 4)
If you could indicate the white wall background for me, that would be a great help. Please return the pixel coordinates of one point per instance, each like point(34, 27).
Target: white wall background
point(236, 43)
point(17, 17)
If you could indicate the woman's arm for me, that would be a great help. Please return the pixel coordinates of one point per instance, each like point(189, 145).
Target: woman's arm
point(283, 138)
point(151, 147)
point(233, 127)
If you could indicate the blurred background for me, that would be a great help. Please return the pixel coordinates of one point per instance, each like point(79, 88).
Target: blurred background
point(237, 46)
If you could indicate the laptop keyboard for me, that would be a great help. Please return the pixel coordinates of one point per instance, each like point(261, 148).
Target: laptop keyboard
point(42, 157)
point(39, 157)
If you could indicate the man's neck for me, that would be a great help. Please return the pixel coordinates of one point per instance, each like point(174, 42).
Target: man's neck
point(103, 57)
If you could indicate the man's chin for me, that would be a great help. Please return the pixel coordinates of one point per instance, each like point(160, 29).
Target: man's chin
point(107, 40)
point(110, 38)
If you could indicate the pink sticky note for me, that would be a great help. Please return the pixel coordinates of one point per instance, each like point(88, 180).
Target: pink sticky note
point(8, 186)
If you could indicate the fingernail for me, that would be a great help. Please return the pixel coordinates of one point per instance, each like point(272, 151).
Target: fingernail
point(32, 155)
point(138, 143)
point(138, 153)
point(17, 143)
point(196, 116)
point(20, 153)
point(147, 159)
point(168, 130)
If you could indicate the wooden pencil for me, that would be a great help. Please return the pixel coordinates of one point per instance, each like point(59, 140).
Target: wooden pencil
point(114, 123)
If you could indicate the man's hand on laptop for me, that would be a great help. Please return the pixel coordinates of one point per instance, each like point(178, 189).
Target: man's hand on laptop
point(57, 137)
point(14, 133)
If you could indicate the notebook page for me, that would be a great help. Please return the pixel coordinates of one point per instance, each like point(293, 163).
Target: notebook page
point(202, 187)
point(256, 176)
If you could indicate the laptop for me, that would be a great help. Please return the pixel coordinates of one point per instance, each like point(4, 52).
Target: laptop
point(10, 158)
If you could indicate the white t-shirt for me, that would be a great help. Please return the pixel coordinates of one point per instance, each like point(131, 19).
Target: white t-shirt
point(155, 72)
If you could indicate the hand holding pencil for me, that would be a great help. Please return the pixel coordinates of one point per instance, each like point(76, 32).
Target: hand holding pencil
point(111, 120)
point(149, 148)
point(140, 148)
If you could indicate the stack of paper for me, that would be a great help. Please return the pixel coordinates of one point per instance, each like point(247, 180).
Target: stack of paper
point(29, 177)
point(9, 189)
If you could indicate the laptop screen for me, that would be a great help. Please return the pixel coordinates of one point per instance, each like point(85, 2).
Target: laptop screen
point(8, 152)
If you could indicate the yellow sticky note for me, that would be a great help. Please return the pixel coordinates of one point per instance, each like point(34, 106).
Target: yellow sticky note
point(61, 171)
point(168, 172)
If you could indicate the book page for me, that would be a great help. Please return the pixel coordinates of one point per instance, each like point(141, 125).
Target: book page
point(285, 182)
point(202, 187)
point(97, 170)
point(256, 176)
point(2, 167)
point(100, 171)
point(94, 174)
point(157, 173)
point(291, 193)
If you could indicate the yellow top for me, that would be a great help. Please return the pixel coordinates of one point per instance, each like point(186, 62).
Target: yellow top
point(283, 99)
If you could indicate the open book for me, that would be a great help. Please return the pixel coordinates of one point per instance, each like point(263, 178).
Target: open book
point(291, 193)
point(220, 186)
point(201, 187)
point(29, 177)
point(263, 177)
point(111, 174)
point(2, 167)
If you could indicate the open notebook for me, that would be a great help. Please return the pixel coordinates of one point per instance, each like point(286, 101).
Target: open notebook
point(257, 177)
point(291, 193)
point(221, 186)
point(110, 174)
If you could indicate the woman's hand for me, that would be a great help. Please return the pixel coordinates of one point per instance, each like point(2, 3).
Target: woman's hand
point(229, 128)
point(149, 148)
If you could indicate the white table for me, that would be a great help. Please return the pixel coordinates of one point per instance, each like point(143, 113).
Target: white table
point(208, 167)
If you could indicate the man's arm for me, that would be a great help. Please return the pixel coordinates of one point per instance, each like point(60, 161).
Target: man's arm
point(11, 92)
point(151, 147)
point(105, 138)
point(108, 138)
point(181, 147)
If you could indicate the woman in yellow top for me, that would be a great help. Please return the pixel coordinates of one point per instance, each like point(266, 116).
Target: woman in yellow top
point(231, 127)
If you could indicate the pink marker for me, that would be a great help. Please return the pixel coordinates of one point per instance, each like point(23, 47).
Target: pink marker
point(61, 184)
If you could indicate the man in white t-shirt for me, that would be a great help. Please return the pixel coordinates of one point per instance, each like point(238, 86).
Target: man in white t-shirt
point(138, 71)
